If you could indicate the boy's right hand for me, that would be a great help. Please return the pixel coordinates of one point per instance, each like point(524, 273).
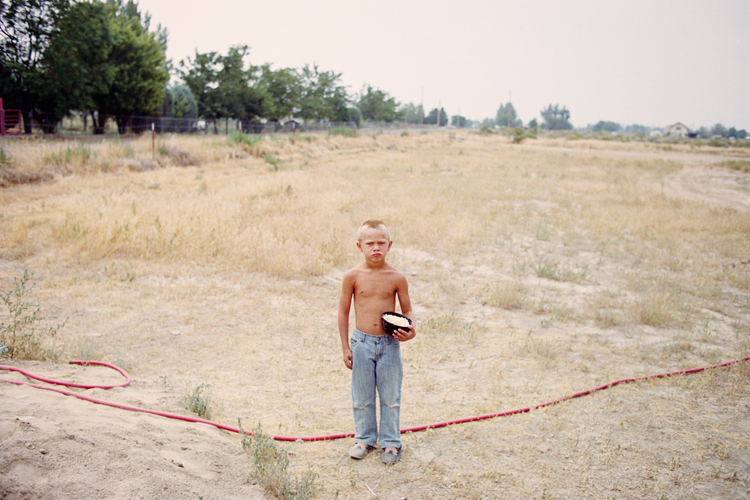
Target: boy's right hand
point(348, 357)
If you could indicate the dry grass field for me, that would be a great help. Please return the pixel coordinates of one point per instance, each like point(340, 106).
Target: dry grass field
point(536, 270)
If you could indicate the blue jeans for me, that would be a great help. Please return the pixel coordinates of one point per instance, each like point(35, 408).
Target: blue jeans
point(376, 365)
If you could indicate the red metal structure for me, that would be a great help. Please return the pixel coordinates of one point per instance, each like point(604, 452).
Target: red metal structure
point(9, 119)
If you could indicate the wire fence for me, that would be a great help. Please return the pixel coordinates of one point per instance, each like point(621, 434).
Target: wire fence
point(80, 125)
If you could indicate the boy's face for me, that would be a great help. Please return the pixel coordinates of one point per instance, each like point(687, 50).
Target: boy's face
point(374, 243)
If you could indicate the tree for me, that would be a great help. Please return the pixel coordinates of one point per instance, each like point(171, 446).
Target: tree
point(25, 29)
point(377, 105)
point(506, 116)
point(223, 86)
point(459, 121)
point(102, 60)
point(718, 130)
point(77, 62)
point(322, 97)
point(179, 102)
point(556, 118)
point(432, 118)
point(140, 69)
point(200, 74)
point(238, 97)
point(637, 129)
point(280, 91)
point(354, 115)
point(603, 126)
point(412, 113)
point(533, 123)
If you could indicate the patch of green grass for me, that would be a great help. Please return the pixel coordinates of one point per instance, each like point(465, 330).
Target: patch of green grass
point(238, 138)
point(68, 155)
point(345, 131)
point(4, 158)
point(741, 165)
point(274, 161)
point(556, 272)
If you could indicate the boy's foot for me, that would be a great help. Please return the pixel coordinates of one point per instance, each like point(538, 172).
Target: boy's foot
point(360, 450)
point(391, 455)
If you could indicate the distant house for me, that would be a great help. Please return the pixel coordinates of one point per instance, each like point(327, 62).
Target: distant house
point(677, 130)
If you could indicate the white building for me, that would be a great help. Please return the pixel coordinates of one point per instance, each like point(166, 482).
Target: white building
point(677, 129)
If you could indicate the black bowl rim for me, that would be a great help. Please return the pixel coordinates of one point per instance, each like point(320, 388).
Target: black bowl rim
point(382, 318)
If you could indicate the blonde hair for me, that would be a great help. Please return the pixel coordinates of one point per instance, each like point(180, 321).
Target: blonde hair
point(373, 224)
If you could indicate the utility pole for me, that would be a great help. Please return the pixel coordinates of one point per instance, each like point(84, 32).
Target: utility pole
point(510, 98)
point(421, 109)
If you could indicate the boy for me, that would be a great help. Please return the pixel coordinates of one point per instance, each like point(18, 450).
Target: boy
point(374, 356)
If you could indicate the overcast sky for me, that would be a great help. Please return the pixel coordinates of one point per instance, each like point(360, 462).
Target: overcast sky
point(647, 62)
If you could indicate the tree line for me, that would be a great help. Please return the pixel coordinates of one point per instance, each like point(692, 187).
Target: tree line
point(103, 60)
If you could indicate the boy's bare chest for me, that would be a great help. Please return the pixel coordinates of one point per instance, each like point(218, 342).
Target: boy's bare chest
point(375, 288)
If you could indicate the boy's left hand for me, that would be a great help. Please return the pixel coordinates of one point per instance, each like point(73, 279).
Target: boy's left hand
point(404, 334)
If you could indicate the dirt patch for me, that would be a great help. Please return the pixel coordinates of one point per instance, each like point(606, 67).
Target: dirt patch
point(521, 299)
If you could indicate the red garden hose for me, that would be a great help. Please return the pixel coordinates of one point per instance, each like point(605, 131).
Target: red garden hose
point(314, 438)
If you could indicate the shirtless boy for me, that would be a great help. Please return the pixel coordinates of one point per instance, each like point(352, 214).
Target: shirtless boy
point(374, 356)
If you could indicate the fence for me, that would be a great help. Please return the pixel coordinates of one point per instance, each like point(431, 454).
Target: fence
point(10, 120)
point(80, 125)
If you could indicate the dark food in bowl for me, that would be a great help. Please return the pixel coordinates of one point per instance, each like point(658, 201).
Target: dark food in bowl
point(392, 321)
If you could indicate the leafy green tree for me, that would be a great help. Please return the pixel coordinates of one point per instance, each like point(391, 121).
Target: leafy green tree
point(432, 118)
point(354, 115)
point(637, 129)
point(223, 86)
point(322, 96)
point(140, 69)
point(25, 30)
point(603, 126)
point(102, 60)
point(533, 123)
point(742, 134)
point(238, 97)
point(412, 113)
point(179, 102)
point(377, 105)
point(718, 130)
point(556, 118)
point(200, 74)
point(280, 91)
point(507, 117)
point(459, 121)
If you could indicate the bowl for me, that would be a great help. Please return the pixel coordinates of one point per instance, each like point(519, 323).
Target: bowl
point(392, 321)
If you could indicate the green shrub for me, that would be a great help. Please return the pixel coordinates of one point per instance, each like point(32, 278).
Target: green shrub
point(345, 131)
point(270, 468)
point(22, 337)
point(198, 401)
point(274, 161)
point(4, 158)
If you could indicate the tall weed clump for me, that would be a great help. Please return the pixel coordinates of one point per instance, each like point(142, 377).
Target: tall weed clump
point(198, 401)
point(22, 337)
point(271, 465)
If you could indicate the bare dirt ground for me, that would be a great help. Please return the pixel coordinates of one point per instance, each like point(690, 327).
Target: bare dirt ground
point(269, 349)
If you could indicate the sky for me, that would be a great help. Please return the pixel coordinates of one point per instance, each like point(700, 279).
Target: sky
point(646, 62)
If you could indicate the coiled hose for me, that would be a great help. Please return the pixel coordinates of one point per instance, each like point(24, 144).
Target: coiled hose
point(313, 438)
